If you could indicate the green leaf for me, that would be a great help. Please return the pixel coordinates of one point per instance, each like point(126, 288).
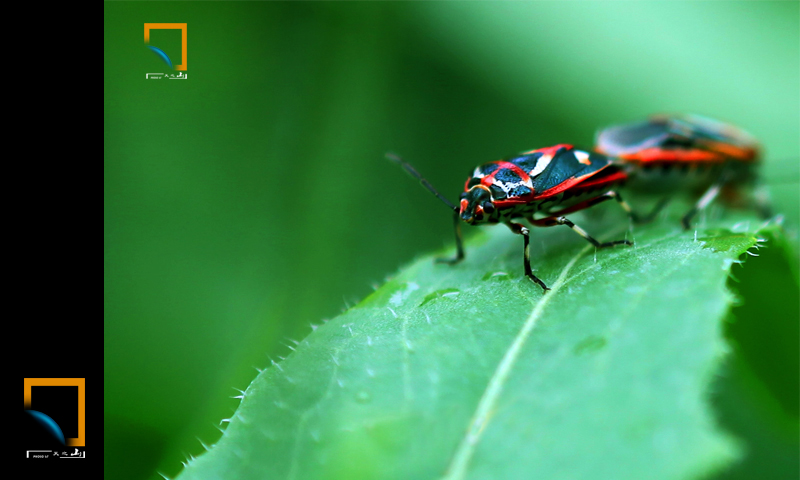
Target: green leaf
point(756, 395)
point(470, 371)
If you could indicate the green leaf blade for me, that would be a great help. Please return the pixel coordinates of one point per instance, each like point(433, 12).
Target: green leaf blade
point(469, 371)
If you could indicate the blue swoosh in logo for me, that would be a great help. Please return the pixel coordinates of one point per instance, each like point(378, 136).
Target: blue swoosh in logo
point(161, 54)
point(49, 424)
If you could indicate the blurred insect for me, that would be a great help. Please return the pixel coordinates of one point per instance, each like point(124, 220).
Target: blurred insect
point(686, 153)
point(537, 181)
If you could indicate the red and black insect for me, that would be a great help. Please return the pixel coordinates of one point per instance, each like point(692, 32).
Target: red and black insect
point(685, 153)
point(534, 182)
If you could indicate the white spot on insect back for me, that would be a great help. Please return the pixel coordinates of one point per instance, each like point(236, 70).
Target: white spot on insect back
point(509, 187)
point(541, 164)
point(582, 157)
point(528, 183)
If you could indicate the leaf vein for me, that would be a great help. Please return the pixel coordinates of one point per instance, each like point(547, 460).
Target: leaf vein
point(304, 418)
point(460, 461)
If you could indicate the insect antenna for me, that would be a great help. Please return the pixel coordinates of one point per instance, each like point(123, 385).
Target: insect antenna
point(414, 173)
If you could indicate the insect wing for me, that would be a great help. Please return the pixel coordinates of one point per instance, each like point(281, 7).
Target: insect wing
point(627, 139)
point(686, 138)
point(567, 169)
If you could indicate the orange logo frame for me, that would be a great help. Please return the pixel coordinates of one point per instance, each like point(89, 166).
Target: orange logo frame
point(63, 382)
point(169, 26)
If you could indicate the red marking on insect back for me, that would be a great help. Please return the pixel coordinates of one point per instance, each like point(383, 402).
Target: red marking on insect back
point(551, 151)
point(520, 200)
point(488, 180)
point(559, 188)
point(604, 179)
point(565, 185)
point(744, 154)
point(655, 154)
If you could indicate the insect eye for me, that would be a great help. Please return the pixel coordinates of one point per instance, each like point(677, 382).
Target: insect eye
point(488, 207)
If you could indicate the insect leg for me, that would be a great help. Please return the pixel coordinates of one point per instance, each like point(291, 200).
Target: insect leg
point(635, 217)
point(707, 198)
point(459, 243)
point(552, 221)
point(522, 230)
point(762, 203)
point(608, 196)
point(709, 195)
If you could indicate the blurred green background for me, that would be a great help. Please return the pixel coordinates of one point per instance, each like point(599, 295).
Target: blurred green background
point(253, 198)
